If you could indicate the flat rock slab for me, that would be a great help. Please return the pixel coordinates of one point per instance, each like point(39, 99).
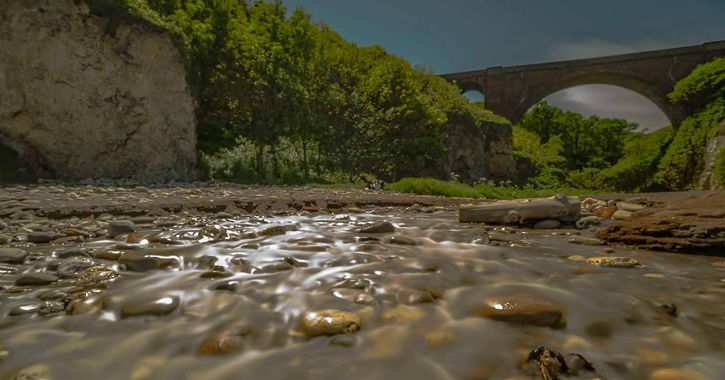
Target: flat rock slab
point(12, 255)
point(36, 279)
point(691, 225)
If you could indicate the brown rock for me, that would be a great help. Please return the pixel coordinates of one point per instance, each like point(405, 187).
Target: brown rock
point(605, 212)
point(402, 240)
point(522, 308)
point(220, 344)
point(95, 275)
point(330, 322)
point(614, 262)
point(677, 374)
point(381, 227)
point(692, 225)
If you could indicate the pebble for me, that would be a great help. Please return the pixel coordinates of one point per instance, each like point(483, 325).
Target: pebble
point(716, 264)
point(156, 307)
point(12, 255)
point(630, 207)
point(415, 296)
point(577, 258)
point(120, 227)
point(139, 261)
point(614, 262)
point(271, 231)
point(109, 254)
point(382, 227)
point(73, 252)
point(220, 344)
point(95, 275)
point(547, 224)
point(621, 215)
point(68, 268)
point(36, 279)
point(4, 239)
point(522, 308)
point(585, 241)
point(25, 309)
point(84, 306)
point(40, 237)
point(587, 222)
point(3, 225)
point(330, 322)
point(143, 220)
point(605, 212)
point(402, 240)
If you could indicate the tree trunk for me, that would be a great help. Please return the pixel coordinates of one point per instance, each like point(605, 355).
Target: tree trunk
point(304, 160)
point(518, 211)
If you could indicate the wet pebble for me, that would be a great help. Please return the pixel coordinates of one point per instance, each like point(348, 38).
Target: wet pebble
point(330, 322)
point(108, 254)
point(4, 239)
point(677, 374)
point(120, 227)
point(547, 224)
point(522, 308)
point(614, 262)
point(36, 279)
point(154, 307)
point(142, 261)
point(220, 344)
point(40, 237)
point(51, 307)
point(415, 296)
point(402, 240)
point(382, 227)
point(584, 241)
point(12, 255)
point(212, 234)
point(587, 222)
point(73, 252)
point(95, 275)
point(25, 309)
point(621, 215)
point(70, 266)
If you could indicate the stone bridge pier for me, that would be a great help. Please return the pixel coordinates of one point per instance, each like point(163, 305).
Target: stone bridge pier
point(512, 91)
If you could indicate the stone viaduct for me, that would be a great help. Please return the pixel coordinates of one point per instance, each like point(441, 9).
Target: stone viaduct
point(511, 91)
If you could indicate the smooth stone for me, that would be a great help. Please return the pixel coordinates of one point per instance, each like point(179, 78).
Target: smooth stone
point(716, 264)
point(585, 241)
point(159, 307)
point(212, 234)
point(402, 240)
point(31, 372)
point(547, 224)
point(73, 252)
point(522, 308)
point(382, 227)
point(40, 237)
point(3, 225)
point(95, 275)
point(415, 296)
point(630, 207)
point(577, 258)
point(8, 269)
point(220, 344)
point(216, 274)
point(587, 222)
point(4, 239)
point(51, 307)
point(68, 268)
point(120, 227)
point(143, 220)
point(12, 255)
point(80, 306)
point(36, 279)
point(25, 309)
point(272, 231)
point(139, 261)
point(614, 262)
point(108, 254)
point(621, 215)
point(330, 322)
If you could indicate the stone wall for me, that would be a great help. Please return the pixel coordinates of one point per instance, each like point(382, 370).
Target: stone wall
point(476, 152)
point(81, 100)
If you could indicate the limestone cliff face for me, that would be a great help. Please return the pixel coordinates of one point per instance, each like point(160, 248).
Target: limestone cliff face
point(77, 101)
point(707, 177)
point(476, 152)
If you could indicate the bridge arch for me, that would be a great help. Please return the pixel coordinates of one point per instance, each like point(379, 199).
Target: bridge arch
point(651, 89)
point(470, 85)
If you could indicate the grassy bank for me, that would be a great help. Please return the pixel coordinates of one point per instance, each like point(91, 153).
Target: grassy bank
point(430, 186)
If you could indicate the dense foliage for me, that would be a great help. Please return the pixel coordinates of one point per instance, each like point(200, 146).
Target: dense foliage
point(703, 90)
point(720, 169)
point(430, 186)
point(283, 99)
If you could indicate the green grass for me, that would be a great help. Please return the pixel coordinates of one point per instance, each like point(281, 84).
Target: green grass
point(430, 186)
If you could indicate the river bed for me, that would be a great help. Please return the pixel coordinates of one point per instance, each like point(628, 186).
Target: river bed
point(431, 302)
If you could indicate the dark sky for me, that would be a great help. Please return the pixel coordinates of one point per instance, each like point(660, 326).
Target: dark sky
point(461, 35)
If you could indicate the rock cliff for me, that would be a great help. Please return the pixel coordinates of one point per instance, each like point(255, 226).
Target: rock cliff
point(476, 152)
point(82, 100)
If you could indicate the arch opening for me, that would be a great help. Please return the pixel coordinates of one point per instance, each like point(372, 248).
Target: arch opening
point(609, 101)
point(655, 92)
point(474, 96)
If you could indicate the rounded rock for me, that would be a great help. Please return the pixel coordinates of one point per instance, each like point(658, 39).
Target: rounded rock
point(614, 262)
point(547, 224)
point(155, 307)
point(381, 227)
point(36, 279)
point(12, 255)
point(677, 374)
point(522, 308)
point(330, 322)
point(120, 227)
point(220, 344)
point(40, 237)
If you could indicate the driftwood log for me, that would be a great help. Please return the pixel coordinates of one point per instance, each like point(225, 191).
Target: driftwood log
point(560, 207)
